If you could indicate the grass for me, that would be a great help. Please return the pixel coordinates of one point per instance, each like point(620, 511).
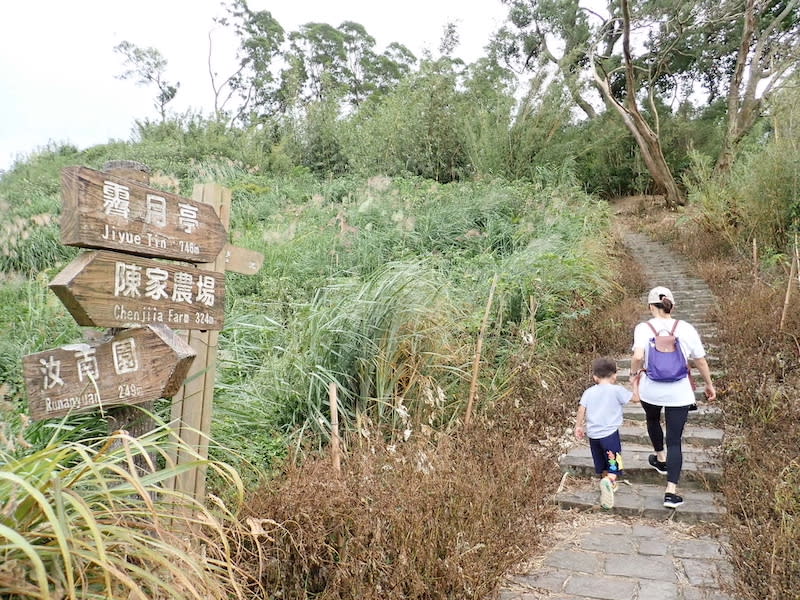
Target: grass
point(79, 520)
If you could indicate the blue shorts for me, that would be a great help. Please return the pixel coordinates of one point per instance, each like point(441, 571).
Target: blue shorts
point(607, 454)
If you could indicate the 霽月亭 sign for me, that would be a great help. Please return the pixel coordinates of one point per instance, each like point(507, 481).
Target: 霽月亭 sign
point(135, 366)
point(104, 211)
point(109, 289)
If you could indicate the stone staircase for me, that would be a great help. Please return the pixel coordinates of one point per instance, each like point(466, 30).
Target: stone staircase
point(702, 472)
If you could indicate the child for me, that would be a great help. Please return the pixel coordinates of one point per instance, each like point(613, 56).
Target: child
point(599, 418)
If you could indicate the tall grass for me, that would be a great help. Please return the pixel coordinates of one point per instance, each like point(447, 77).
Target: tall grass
point(759, 200)
point(80, 521)
point(381, 291)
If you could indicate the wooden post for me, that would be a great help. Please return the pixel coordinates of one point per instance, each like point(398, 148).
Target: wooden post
point(787, 299)
point(794, 270)
point(192, 405)
point(755, 260)
point(335, 448)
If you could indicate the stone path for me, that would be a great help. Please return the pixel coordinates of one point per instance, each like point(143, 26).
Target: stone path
point(641, 550)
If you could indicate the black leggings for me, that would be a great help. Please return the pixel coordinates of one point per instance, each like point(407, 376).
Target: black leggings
point(675, 418)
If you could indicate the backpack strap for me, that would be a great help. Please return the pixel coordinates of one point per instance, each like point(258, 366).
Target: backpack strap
point(672, 332)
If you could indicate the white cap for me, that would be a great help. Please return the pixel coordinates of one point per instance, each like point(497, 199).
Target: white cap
point(655, 295)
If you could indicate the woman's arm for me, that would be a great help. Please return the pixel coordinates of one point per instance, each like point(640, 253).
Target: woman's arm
point(705, 371)
point(637, 362)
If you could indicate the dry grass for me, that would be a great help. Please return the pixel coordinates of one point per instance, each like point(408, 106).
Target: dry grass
point(442, 516)
point(762, 466)
point(429, 519)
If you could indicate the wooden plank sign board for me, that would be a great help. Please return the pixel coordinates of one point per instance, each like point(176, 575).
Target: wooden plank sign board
point(242, 260)
point(109, 289)
point(137, 365)
point(101, 210)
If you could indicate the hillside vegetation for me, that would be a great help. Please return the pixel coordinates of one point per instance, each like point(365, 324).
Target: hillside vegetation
point(405, 225)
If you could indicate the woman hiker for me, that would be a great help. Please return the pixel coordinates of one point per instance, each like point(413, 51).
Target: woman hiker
point(674, 393)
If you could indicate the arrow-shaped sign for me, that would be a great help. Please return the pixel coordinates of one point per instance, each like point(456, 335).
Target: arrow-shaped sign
point(137, 365)
point(242, 260)
point(108, 289)
point(101, 210)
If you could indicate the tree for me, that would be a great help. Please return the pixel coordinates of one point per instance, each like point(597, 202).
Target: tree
point(538, 28)
point(260, 40)
point(647, 137)
point(341, 63)
point(147, 66)
point(742, 50)
point(766, 58)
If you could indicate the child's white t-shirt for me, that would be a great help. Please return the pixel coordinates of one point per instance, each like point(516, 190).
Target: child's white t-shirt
point(603, 403)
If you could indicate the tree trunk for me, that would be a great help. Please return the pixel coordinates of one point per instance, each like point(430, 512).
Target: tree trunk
point(647, 139)
point(767, 56)
point(652, 154)
point(734, 131)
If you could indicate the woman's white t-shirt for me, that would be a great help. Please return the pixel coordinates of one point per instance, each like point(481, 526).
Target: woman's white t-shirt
point(668, 393)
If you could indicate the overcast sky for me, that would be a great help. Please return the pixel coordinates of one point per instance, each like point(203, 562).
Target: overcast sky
point(58, 67)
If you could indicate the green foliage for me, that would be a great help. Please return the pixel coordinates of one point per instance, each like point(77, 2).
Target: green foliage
point(758, 199)
point(146, 66)
point(78, 523)
point(32, 319)
point(416, 129)
point(369, 284)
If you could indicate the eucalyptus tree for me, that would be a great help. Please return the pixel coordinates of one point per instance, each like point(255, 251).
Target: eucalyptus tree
point(554, 33)
point(253, 80)
point(589, 46)
point(739, 51)
point(325, 62)
point(147, 67)
point(639, 54)
point(767, 53)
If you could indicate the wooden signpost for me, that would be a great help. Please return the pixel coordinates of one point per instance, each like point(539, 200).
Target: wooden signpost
point(121, 285)
point(83, 377)
point(109, 289)
point(103, 210)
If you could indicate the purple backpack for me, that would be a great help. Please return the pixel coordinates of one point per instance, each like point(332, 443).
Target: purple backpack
point(665, 360)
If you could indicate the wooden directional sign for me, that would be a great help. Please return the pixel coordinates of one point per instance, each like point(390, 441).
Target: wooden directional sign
point(101, 210)
point(137, 365)
point(108, 289)
point(242, 261)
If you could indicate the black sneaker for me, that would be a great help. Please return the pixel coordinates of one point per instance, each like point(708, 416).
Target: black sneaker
point(659, 466)
point(672, 500)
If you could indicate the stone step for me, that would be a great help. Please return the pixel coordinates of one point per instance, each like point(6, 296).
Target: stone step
point(644, 500)
point(695, 435)
point(701, 469)
point(706, 414)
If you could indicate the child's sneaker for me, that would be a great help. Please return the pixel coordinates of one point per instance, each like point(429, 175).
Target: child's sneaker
point(659, 466)
point(606, 493)
point(672, 500)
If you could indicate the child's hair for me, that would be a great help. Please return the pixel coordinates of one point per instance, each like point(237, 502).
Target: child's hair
point(603, 367)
